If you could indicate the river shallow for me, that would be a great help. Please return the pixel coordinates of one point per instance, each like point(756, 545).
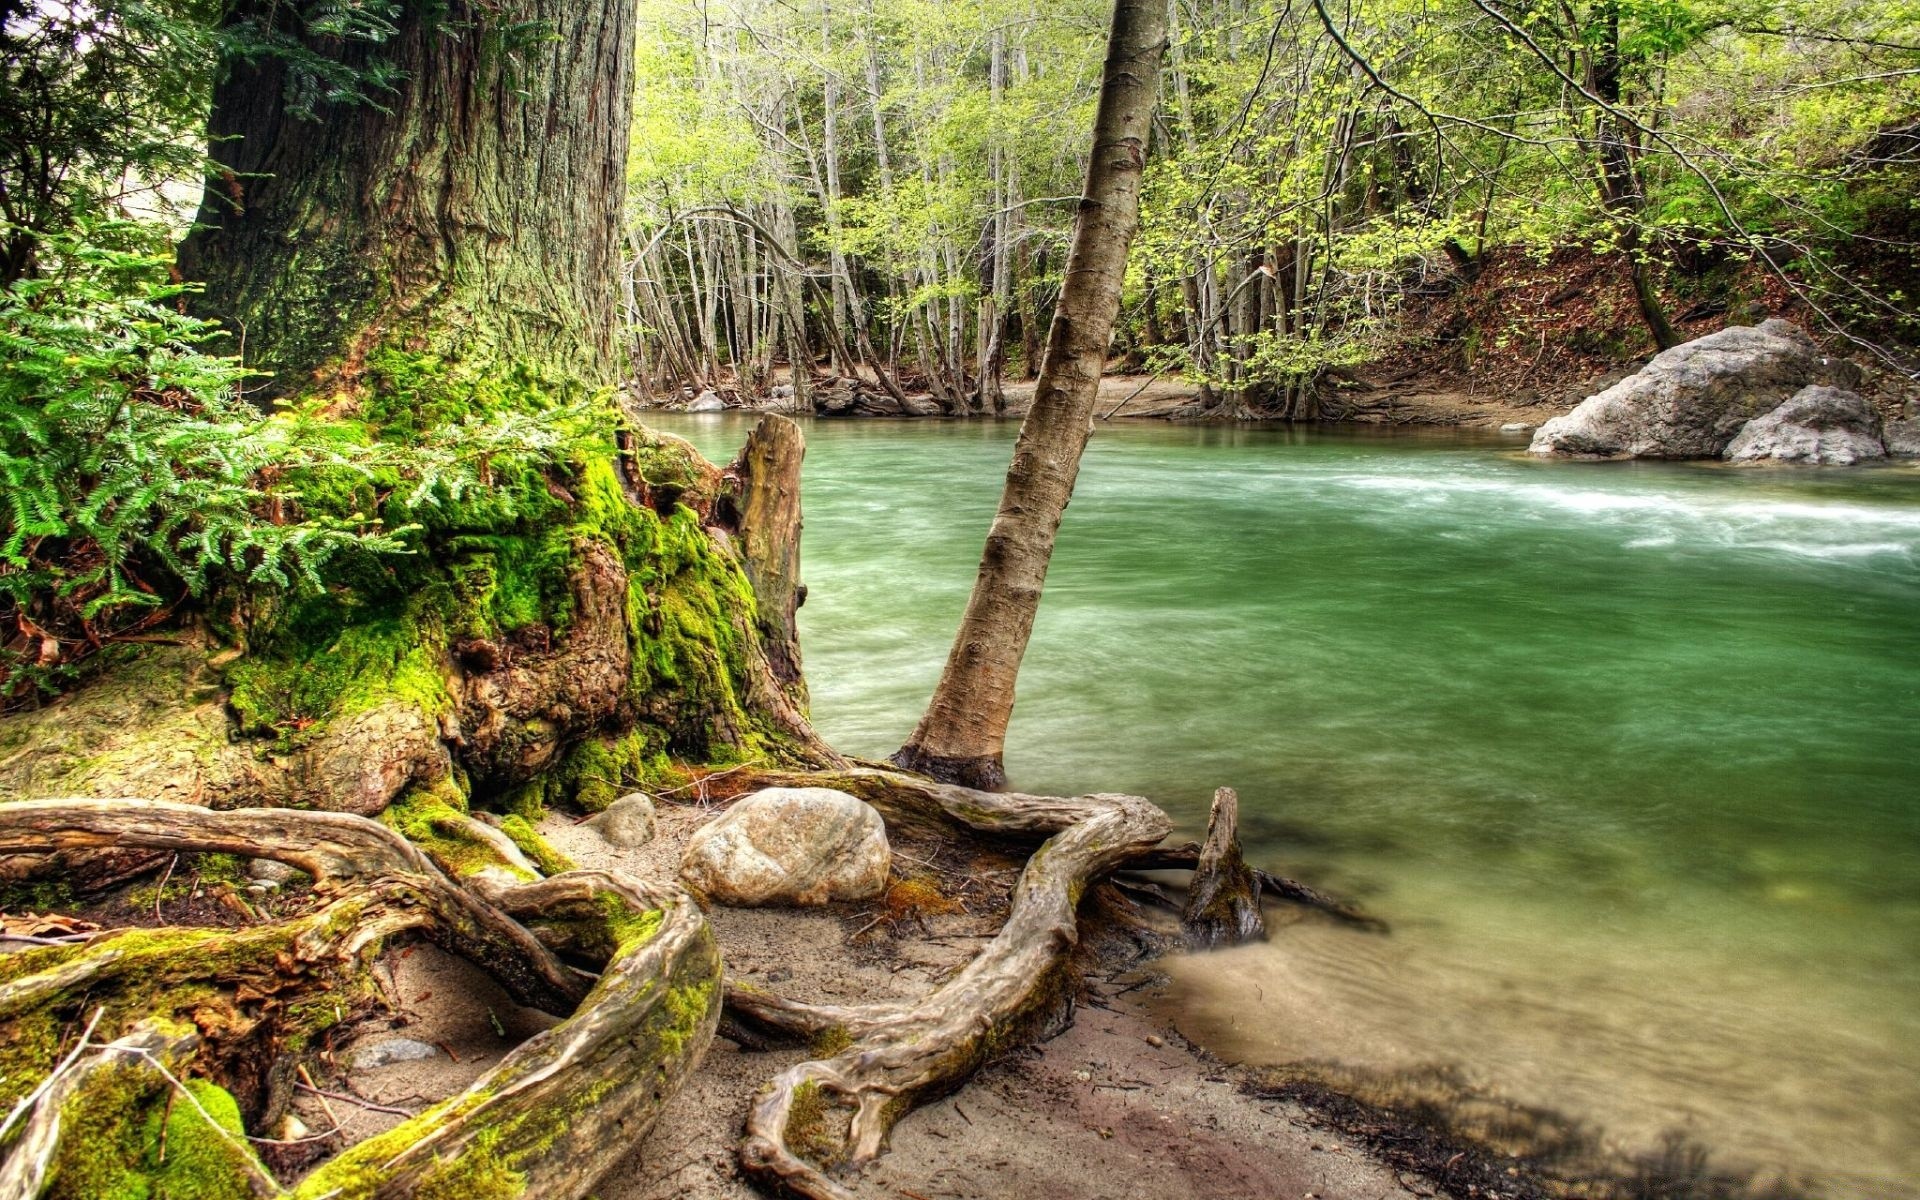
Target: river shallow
point(1628, 754)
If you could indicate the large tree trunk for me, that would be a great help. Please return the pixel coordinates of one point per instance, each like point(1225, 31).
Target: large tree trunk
point(574, 625)
point(962, 735)
point(473, 212)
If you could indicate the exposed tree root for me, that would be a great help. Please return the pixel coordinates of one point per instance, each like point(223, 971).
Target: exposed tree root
point(1186, 857)
point(548, 1121)
point(838, 1109)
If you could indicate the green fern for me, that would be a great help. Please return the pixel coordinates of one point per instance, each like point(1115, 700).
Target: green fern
point(136, 475)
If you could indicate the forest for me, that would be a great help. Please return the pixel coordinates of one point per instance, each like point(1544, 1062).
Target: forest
point(412, 784)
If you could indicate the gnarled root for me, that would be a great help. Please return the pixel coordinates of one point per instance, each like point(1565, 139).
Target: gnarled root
point(548, 1121)
point(840, 1108)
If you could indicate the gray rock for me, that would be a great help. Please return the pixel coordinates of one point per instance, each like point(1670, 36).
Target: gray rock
point(1903, 438)
point(371, 1056)
point(790, 846)
point(627, 822)
point(920, 406)
point(1822, 425)
point(268, 870)
point(1690, 401)
point(707, 402)
point(782, 391)
point(1515, 427)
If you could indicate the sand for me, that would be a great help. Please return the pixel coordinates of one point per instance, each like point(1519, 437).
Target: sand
point(1118, 1105)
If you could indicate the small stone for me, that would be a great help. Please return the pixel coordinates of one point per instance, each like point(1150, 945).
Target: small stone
point(790, 846)
point(1155, 1040)
point(627, 822)
point(292, 1128)
point(263, 887)
point(1083, 1076)
point(391, 1051)
point(271, 871)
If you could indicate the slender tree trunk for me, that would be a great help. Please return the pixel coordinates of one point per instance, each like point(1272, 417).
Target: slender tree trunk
point(475, 212)
point(963, 734)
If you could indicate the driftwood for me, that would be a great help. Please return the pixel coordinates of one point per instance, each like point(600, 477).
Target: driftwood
point(1223, 902)
point(1186, 857)
point(547, 1121)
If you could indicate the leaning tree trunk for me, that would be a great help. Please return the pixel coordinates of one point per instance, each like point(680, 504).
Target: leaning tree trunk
point(474, 211)
point(963, 734)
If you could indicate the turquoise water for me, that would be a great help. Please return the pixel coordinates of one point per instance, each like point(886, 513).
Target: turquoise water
point(1627, 753)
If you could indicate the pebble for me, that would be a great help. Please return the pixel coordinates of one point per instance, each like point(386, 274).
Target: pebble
point(1155, 1040)
point(390, 1051)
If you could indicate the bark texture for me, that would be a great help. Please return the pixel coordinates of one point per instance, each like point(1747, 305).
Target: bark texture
point(963, 734)
point(472, 212)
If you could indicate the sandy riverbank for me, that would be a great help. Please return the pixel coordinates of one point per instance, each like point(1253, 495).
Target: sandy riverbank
point(1116, 1105)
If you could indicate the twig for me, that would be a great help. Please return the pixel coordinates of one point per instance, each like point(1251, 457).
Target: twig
point(160, 892)
point(1151, 380)
point(310, 1086)
point(702, 781)
point(350, 1098)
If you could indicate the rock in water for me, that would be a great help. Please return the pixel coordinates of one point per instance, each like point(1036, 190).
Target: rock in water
point(627, 822)
point(790, 846)
point(1690, 401)
point(1823, 425)
point(707, 401)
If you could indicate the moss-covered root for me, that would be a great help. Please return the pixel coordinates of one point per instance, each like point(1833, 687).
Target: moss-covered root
point(547, 1122)
point(878, 1061)
point(118, 1119)
point(564, 1107)
point(349, 857)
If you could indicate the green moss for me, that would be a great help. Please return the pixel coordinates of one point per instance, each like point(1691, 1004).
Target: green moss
point(188, 1158)
point(829, 1041)
point(332, 656)
point(816, 1127)
point(37, 896)
point(535, 847)
point(30, 1045)
point(435, 819)
point(103, 1147)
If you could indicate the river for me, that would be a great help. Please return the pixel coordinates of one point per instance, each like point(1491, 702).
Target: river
point(1627, 753)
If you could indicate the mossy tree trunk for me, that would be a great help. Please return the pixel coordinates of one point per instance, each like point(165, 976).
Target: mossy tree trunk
point(580, 621)
point(472, 211)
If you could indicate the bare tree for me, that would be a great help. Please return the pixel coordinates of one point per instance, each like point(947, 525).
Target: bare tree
point(963, 734)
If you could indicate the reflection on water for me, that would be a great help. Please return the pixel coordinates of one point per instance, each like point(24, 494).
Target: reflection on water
point(1627, 753)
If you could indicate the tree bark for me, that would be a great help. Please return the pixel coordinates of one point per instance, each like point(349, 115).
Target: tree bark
point(963, 734)
point(474, 212)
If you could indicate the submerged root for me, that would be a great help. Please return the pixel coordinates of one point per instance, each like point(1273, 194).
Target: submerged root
point(547, 1121)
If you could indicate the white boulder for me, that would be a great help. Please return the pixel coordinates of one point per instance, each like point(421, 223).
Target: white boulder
point(795, 846)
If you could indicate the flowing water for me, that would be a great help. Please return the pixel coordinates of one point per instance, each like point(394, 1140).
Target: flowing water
point(1628, 754)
